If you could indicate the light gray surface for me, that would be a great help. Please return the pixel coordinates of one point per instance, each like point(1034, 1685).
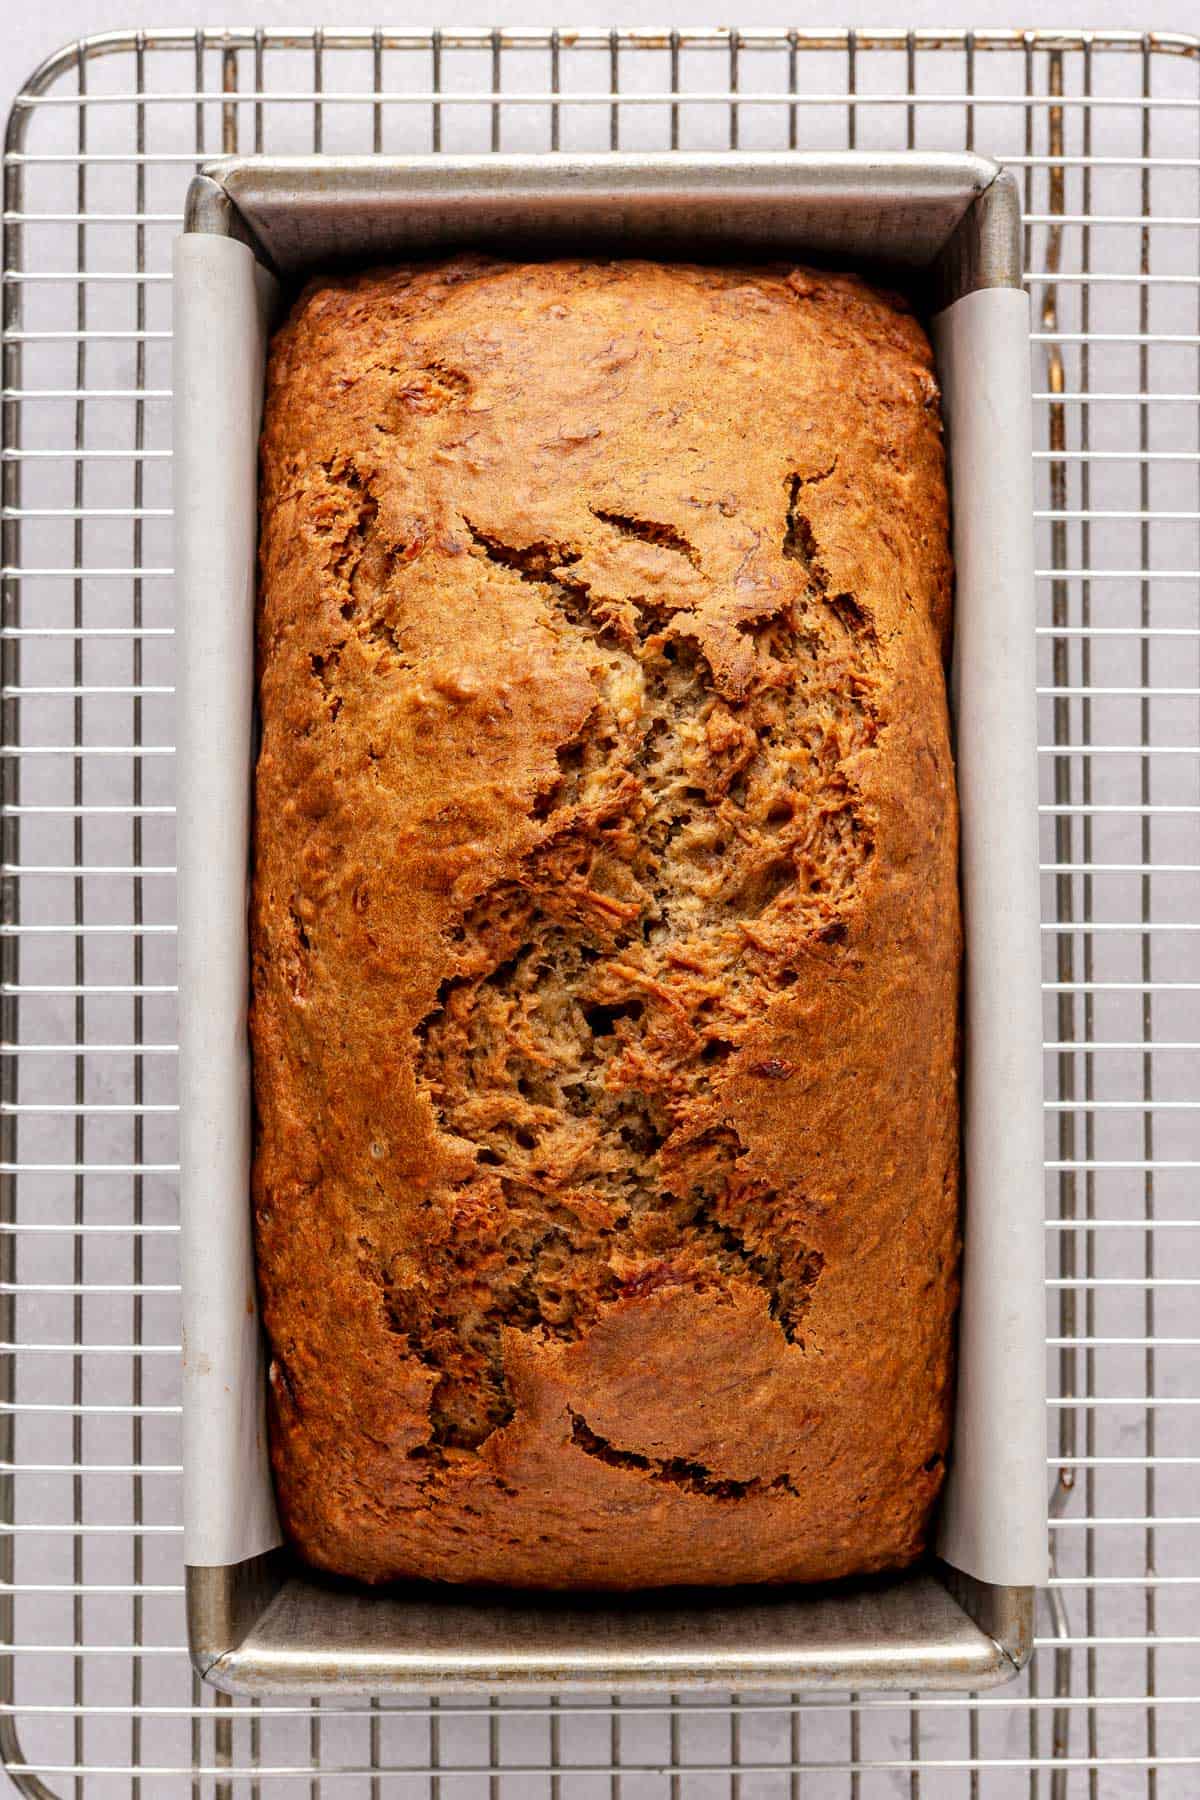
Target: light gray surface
point(1125, 1639)
point(33, 32)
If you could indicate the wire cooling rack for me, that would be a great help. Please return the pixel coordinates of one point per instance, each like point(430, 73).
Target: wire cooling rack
point(96, 1694)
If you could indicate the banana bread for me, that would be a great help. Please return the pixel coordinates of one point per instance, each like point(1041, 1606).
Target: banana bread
point(605, 925)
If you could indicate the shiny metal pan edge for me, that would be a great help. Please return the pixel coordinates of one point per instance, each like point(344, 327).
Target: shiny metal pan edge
point(267, 1626)
point(951, 219)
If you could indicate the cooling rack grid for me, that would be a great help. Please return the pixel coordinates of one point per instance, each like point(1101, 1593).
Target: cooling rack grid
point(96, 1694)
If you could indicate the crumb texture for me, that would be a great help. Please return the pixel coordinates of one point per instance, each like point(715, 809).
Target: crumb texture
point(605, 926)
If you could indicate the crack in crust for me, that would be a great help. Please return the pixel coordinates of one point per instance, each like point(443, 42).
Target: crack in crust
point(800, 545)
point(363, 563)
point(648, 531)
point(675, 1471)
point(693, 841)
point(692, 844)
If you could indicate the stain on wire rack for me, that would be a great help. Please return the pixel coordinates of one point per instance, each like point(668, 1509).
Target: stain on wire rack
point(1089, 969)
point(80, 943)
point(1145, 945)
point(1063, 1491)
point(10, 922)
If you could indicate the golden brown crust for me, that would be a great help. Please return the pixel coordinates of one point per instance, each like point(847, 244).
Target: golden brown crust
point(606, 928)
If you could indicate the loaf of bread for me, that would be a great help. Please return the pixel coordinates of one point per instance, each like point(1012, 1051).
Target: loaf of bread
point(605, 926)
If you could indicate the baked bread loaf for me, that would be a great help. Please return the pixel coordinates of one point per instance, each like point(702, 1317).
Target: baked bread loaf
point(605, 926)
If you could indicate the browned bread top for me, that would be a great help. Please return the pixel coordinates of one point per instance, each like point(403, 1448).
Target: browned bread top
point(606, 930)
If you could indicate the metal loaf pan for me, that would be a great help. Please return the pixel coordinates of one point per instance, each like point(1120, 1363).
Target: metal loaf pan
point(943, 226)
